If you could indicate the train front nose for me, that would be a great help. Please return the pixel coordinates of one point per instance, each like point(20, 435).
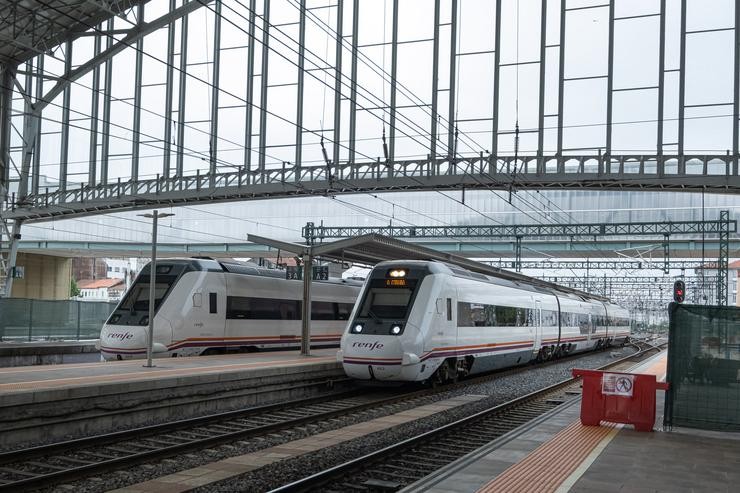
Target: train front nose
point(119, 342)
point(372, 357)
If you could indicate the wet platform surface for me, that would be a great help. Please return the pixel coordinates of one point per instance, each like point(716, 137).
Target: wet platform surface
point(19, 379)
point(555, 453)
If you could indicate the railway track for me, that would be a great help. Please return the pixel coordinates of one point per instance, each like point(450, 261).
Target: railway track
point(47, 465)
point(400, 465)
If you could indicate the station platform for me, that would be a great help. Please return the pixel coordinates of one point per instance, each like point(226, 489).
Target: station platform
point(555, 453)
point(37, 399)
point(47, 353)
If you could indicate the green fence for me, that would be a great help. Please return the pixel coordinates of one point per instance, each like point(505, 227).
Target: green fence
point(28, 320)
point(703, 367)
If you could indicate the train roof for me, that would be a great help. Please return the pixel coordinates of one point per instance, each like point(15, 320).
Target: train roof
point(236, 267)
point(503, 278)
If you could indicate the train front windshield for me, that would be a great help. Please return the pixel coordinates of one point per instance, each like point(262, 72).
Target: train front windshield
point(386, 303)
point(134, 308)
point(137, 298)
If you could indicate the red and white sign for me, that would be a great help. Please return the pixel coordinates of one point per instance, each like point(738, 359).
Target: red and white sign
point(617, 384)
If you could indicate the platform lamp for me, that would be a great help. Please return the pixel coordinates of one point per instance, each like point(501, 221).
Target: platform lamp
point(152, 281)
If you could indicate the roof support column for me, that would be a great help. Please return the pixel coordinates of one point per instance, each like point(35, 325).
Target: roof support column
point(64, 147)
point(250, 87)
point(137, 99)
point(263, 80)
point(107, 88)
point(541, 116)
point(338, 88)
point(301, 77)
point(736, 95)
point(92, 172)
point(353, 81)
point(682, 90)
point(451, 92)
point(435, 86)
point(6, 104)
point(561, 86)
point(496, 72)
point(394, 70)
point(661, 90)
point(36, 172)
point(213, 147)
point(182, 91)
point(168, 97)
point(609, 87)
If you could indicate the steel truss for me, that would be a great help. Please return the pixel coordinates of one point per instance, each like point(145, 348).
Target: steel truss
point(723, 227)
point(291, 180)
point(588, 230)
point(601, 264)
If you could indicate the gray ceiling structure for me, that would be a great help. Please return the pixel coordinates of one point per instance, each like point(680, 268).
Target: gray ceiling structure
point(36, 101)
point(29, 28)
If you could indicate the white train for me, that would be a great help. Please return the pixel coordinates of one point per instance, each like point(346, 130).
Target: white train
point(207, 306)
point(417, 320)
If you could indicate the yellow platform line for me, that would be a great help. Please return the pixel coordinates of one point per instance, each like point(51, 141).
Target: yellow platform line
point(548, 466)
point(560, 462)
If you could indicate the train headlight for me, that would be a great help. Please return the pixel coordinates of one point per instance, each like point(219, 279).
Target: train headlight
point(358, 328)
point(397, 273)
point(396, 329)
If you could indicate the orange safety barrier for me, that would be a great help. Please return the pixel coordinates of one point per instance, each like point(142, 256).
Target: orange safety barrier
point(627, 398)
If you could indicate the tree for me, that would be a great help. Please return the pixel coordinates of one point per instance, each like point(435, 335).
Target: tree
point(74, 290)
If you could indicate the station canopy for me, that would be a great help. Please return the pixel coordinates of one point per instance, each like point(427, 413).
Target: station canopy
point(371, 249)
point(31, 27)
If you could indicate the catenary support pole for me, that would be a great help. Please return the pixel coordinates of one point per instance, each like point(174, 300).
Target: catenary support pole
point(306, 306)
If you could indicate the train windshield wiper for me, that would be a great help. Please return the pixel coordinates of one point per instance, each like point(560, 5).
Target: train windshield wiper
point(375, 317)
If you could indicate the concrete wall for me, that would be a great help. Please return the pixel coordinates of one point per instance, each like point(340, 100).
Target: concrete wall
point(46, 277)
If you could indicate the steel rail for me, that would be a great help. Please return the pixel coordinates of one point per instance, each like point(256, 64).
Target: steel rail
point(155, 432)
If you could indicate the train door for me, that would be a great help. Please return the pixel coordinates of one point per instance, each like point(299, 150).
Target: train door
point(537, 319)
point(209, 310)
point(443, 332)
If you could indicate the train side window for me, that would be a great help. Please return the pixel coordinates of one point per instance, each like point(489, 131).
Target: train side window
point(449, 308)
point(213, 301)
point(197, 300)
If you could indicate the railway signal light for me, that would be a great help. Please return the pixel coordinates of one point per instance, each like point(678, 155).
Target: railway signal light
point(679, 291)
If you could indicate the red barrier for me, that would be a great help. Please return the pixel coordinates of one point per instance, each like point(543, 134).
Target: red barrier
point(618, 397)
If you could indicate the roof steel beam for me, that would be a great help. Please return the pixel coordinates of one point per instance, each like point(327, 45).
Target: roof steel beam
point(373, 177)
point(532, 230)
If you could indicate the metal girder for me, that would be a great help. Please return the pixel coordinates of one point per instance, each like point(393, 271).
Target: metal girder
point(30, 27)
point(610, 265)
point(291, 180)
point(625, 281)
point(724, 241)
point(593, 264)
point(534, 230)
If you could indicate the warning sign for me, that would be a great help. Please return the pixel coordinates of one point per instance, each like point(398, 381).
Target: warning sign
point(617, 384)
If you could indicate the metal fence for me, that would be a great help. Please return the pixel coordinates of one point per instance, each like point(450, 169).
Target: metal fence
point(703, 367)
point(27, 320)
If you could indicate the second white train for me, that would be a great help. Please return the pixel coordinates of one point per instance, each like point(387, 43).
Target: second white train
point(418, 320)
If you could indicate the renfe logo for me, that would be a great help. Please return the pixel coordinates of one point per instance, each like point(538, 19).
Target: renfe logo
point(121, 336)
point(368, 345)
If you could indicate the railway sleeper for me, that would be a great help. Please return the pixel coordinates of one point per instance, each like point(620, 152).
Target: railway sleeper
point(44, 465)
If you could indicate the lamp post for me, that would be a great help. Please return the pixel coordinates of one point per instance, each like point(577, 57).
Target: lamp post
point(152, 281)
